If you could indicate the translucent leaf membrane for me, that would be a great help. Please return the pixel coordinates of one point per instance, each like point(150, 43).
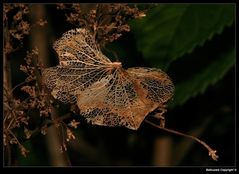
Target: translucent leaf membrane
point(105, 93)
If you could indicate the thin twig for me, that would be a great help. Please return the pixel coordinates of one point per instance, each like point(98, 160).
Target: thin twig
point(212, 152)
point(55, 121)
point(10, 132)
point(59, 119)
point(10, 123)
point(24, 82)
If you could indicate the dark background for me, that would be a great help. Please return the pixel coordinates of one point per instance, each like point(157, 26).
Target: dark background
point(209, 116)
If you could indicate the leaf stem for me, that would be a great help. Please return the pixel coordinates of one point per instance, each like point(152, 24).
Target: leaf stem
point(212, 152)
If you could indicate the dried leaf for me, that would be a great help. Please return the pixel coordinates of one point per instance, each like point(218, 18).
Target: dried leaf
point(106, 93)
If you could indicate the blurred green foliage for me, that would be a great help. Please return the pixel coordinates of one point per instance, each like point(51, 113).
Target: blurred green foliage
point(170, 31)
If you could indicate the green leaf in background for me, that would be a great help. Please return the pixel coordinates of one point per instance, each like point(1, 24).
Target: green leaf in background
point(170, 31)
point(200, 81)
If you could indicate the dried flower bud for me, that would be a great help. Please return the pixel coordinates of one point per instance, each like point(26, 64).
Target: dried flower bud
point(27, 132)
point(17, 102)
point(23, 68)
point(24, 120)
point(42, 22)
point(141, 15)
point(18, 16)
point(70, 135)
point(23, 150)
point(61, 6)
point(74, 123)
point(19, 112)
point(26, 10)
point(63, 148)
point(13, 141)
point(44, 130)
point(30, 90)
